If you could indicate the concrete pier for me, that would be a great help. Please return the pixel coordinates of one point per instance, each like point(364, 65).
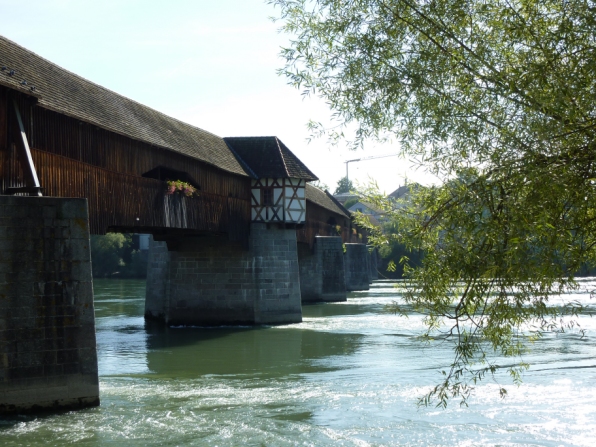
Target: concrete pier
point(322, 276)
point(210, 280)
point(48, 357)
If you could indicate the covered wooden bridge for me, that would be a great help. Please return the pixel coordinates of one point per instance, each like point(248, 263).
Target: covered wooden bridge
point(239, 237)
point(87, 141)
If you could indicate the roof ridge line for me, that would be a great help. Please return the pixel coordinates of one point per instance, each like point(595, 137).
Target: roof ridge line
point(240, 159)
point(53, 64)
point(283, 160)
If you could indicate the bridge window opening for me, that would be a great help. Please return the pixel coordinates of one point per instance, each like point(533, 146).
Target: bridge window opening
point(267, 196)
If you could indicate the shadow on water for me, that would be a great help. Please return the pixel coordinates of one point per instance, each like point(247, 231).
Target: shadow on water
point(258, 351)
point(154, 350)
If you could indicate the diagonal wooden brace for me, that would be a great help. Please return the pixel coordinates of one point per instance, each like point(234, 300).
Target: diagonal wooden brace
point(33, 187)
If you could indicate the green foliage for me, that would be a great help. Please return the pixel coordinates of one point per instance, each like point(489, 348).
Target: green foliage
point(106, 253)
point(181, 187)
point(488, 271)
point(395, 256)
point(498, 99)
point(350, 202)
point(113, 255)
point(319, 184)
point(344, 185)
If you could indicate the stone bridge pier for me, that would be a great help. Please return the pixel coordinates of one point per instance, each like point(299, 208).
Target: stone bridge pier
point(208, 280)
point(322, 275)
point(48, 359)
point(357, 267)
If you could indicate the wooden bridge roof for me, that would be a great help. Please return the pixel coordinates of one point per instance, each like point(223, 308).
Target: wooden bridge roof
point(64, 92)
point(325, 200)
point(268, 157)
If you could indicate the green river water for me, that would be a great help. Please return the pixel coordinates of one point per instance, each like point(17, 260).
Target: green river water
point(348, 375)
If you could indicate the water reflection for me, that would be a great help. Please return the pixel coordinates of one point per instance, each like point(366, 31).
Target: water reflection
point(154, 349)
point(242, 351)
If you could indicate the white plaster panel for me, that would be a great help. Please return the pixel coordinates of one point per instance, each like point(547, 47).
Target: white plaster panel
point(276, 194)
point(256, 196)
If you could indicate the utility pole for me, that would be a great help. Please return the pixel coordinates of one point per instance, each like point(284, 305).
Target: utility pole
point(366, 158)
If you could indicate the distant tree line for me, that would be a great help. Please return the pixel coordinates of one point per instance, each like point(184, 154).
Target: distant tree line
point(116, 255)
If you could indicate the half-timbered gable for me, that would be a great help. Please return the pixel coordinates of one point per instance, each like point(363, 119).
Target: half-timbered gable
point(279, 179)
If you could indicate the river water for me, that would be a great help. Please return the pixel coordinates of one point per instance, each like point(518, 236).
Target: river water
point(349, 375)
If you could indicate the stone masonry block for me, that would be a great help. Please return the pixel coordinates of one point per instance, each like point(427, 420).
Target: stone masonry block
point(229, 279)
point(44, 326)
point(48, 212)
point(71, 209)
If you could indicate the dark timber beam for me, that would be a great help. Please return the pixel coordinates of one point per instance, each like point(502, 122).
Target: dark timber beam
point(33, 187)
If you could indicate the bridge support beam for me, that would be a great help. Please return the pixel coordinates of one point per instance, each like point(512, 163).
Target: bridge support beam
point(48, 358)
point(322, 276)
point(209, 280)
point(357, 270)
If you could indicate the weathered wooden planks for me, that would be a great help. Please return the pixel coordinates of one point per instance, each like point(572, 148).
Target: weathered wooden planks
point(75, 159)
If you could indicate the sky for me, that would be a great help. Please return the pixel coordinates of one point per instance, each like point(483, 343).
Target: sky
point(212, 64)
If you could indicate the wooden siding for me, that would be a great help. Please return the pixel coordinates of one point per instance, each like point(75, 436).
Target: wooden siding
point(75, 159)
point(323, 222)
point(70, 138)
point(126, 201)
point(4, 150)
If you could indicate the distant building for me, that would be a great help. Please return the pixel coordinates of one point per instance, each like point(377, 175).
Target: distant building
point(365, 208)
point(344, 197)
point(400, 192)
point(375, 216)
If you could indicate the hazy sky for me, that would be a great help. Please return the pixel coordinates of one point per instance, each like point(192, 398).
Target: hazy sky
point(210, 63)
